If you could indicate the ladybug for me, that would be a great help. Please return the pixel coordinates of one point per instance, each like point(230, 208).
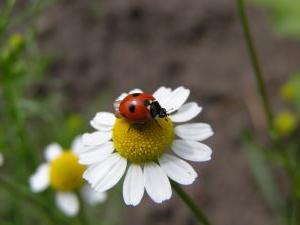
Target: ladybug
point(140, 108)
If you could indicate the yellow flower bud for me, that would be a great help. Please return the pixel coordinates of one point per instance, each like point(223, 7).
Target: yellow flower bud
point(287, 92)
point(285, 123)
point(16, 41)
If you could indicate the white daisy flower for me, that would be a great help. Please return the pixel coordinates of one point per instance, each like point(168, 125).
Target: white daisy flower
point(63, 173)
point(144, 148)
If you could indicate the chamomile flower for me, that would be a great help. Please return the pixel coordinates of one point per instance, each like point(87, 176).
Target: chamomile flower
point(144, 147)
point(63, 173)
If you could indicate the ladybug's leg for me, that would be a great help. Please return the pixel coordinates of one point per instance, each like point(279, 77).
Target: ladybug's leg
point(118, 114)
point(157, 123)
point(129, 128)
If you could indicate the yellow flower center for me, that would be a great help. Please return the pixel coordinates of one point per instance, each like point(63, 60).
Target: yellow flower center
point(141, 143)
point(66, 172)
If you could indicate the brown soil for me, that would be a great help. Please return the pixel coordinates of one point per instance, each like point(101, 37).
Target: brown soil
point(117, 45)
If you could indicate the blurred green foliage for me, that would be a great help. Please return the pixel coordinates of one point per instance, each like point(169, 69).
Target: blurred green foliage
point(31, 120)
point(281, 153)
point(284, 16)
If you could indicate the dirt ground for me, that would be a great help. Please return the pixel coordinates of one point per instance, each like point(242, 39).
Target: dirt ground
point(117, 45)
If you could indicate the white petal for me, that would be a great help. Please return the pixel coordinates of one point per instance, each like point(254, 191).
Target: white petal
point(96, 138)
point(67, 202)
point(52, 151)
point(162, 94)
point(116, 103)
point(112, 177)
point(104, 175)
point(157, 183)
point(97, 153)
point(136, 90)
point(97, 170)
point(103, 121)
point(177, 169)
point(39, 181)
point(133, 187)
point(77, 145)
point(194, 131)
point(186, 112)
point(192, 150)
point(176, 99)
point(121, 97)
point(92, 197)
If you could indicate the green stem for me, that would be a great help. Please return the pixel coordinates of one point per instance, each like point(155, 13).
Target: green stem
point(191, 204)
point(82, 214)
point(295, 212)
point(255, 63)
point(292, 168)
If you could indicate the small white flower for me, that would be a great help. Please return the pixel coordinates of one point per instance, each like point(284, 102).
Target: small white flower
point(63, 173)
point(144, 147)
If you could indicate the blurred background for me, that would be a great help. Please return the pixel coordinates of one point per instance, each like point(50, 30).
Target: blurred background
point(68, 59)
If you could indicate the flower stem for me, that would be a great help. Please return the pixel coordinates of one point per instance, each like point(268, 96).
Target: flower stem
point(191, 204)
point(82, 216)
point(255, 63)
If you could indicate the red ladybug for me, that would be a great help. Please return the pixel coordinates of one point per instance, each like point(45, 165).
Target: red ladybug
point(140, 108)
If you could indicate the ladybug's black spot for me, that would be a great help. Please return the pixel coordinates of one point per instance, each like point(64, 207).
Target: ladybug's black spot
point(131, 108)
point(146, 102)
point(136, 94)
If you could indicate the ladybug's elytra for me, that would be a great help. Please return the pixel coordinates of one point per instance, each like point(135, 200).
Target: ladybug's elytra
point(140, 108)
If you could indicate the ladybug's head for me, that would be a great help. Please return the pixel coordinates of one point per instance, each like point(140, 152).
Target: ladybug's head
point(157, 111)
point(163, 113)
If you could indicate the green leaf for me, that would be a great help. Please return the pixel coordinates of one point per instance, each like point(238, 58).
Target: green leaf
point(262, 173)
point(284, 16)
